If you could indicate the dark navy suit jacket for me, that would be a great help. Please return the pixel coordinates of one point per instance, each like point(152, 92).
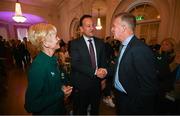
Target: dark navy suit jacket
point(82, 73)
point(137, 71)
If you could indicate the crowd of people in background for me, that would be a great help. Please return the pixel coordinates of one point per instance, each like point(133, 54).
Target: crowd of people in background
point(20, 54)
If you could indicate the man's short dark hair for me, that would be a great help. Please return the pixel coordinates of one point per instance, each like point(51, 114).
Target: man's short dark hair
point(128, 18)
point(82, 18)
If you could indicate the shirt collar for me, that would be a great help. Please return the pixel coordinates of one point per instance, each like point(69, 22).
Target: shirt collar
point(126, 41)
point(87, 38)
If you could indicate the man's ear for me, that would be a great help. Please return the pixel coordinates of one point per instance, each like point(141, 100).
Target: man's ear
point(124, 27)
point(81, 29)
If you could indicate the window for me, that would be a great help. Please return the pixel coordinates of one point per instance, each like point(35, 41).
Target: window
point(21, 33)
point(148, 21)
point(3, 32)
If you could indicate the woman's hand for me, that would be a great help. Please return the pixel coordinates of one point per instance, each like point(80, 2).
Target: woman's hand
point(67, 91)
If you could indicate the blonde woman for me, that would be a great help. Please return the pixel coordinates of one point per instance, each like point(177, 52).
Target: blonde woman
point(165, 79)
point(46, 91)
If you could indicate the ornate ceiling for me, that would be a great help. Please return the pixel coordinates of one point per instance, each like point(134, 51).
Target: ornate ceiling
point(42, 3)
point(97, 4)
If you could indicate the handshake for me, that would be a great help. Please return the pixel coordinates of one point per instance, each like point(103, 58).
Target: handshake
point(101, 72)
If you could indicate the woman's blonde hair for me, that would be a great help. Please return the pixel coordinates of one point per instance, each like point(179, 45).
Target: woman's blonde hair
point(41, 32)
point(170, 41)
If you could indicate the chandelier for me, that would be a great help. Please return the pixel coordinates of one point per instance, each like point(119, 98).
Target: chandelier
point(18, 17)
point(98, 26)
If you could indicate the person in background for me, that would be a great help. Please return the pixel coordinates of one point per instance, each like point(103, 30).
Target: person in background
point(27, 54)
point(143, 40)
point(46, 91)
point(177, 82)
point(154, 46)
point(88, 63)
point(164, 58)
point(2, 46)
point(135, 79)
point(107, 83)
point(63, 55)
point(177, 88)
point(175, 68)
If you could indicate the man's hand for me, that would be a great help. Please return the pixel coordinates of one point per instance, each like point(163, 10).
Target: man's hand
point(101, 72)
point(103, 84)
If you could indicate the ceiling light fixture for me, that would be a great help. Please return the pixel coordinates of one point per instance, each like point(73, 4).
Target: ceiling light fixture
point(18, 17)
point(98, 26)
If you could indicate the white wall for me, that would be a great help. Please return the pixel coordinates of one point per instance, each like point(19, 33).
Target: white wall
point(46, 14)
point(63, 15)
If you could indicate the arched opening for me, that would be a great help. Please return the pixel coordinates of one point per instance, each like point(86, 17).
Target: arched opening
point(148, 18)
point(148, 22)
point(74, 29)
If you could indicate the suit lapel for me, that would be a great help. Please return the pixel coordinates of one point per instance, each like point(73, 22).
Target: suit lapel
point(128, 48)
point(85, 49)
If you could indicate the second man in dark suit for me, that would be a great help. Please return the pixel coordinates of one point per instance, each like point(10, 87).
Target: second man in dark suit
point(135, 76)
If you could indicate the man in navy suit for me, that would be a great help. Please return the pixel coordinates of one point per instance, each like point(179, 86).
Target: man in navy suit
point(135, 79)
point(87, 70)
